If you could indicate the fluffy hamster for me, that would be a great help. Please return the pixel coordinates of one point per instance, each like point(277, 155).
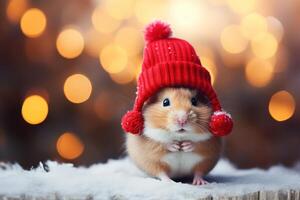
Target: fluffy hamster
point(175, 141)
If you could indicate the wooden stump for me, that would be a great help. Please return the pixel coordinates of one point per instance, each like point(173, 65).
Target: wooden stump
point(260, 195)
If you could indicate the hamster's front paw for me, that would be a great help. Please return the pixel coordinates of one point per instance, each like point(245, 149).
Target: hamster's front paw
point(187, 146)
point(174, 146)
point(198, 180)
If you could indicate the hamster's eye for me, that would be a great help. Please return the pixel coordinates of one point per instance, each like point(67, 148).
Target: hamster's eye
point(166, 102)
point(194, 101)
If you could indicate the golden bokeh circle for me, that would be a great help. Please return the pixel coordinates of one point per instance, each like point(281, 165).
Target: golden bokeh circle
point(70, 43)
point(33, 22)
point(77, 88)
point(69, 146)
point(232, 39)
point(282, 106)
point(113, 58)
point(264, 45)
point(34, 109)
point(253, 24)
point(259, 72)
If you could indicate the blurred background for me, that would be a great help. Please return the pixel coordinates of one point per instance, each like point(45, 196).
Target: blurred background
point(68, 73)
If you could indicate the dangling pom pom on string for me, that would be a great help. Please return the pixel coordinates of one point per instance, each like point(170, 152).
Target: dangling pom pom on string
point(157, 30)
point(133, 122)
point(220, 123)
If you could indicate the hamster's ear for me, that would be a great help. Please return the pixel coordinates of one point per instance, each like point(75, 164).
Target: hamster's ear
point(133, 122)
point(221, 123)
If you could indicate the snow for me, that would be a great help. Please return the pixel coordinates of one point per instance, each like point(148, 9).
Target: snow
point(120, 179)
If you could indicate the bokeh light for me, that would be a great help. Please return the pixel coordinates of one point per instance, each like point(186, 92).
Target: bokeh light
point(70, 43)
point(253, 24)
point(103, 22)
point(210, 65)
point(264, 45)
point(113, 58)
point(119, 9)
point(15, 9)
point(34, 109)
point(130, 39)
point(69, 146)
point(282, 106)
point(242, 7)
point(146, 10)
point(191, 12)
point(232, 39)
point(123, 77)
point(95, 41)
point(135, 66)
point(33, 22)
point(275, 27)
point(77, 88)
point(259, 72)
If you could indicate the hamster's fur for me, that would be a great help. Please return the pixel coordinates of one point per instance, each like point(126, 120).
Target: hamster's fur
point(175, 141)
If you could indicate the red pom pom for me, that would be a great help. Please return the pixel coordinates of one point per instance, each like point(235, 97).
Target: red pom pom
point(133, 122)
point(220, 123)
point(157, 30)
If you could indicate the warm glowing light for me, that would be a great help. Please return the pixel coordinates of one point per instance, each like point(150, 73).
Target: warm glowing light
point(69, 146)
point(136, 66)
point(123, 77)
point(253, 24)
point(210, 65)
point(103, 22)
point(275, 27)
point(119, 9)
point(113, 58)
point(242, 7)
point(147, 11)
point(217, 2)
point(206, 55)
point(264, 45)
point(95, 41)
point(232, 39)
point(33, 22)
point(259, 72)
point(34, 109)
point(130, 39)
point(191, 12)
point(282, 106)
point(70, 43)
point(77, 88)
point(15, 9)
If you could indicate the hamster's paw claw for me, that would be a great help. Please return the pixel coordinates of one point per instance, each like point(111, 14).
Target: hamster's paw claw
point(198, 180)
point(187, 146)
point(173, 147)
point(165, 178)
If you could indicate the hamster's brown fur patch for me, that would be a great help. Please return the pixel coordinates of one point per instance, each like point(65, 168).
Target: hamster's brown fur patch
point(147, 154)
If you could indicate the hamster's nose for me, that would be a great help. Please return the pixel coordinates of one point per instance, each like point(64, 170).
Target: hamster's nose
point(181, 120)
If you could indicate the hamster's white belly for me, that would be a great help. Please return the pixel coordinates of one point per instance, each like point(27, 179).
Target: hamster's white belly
point(181, 163)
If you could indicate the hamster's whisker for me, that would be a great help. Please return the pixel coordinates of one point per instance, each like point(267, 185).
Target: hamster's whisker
point(200, 124)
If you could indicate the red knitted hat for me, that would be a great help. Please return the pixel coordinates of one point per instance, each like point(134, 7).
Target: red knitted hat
point(171, 62)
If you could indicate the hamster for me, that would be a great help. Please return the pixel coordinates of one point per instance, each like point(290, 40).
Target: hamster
point(176, 141)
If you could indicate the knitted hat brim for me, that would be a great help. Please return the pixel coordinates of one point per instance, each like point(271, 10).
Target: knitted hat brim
point(175, 74)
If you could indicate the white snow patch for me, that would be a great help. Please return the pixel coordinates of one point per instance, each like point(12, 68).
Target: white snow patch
point(121, 179)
